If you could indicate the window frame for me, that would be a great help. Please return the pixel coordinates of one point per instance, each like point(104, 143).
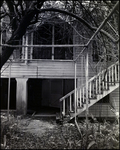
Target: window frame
point(53, 47)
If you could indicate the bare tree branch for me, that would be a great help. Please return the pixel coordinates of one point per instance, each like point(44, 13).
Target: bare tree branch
point(29, 16)
point(80, 19)
point(18, 33)
point(2, 16)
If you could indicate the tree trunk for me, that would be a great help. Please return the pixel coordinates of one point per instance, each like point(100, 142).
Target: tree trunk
point(17, 35)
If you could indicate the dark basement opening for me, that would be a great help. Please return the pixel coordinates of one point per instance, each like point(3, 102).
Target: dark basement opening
point(44, 95)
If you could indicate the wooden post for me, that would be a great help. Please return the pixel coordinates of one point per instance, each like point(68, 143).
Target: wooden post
point(76, 98)
point(86, 76)
point(70, 104)
point(8, 104)
point(75, 92)
point(80, 99)
point(64, 107)
point(90, 89)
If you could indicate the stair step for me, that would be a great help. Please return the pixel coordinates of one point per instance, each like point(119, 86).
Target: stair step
point(95, 92)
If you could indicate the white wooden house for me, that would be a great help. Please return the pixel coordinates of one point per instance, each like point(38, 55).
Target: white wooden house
point(44, 68)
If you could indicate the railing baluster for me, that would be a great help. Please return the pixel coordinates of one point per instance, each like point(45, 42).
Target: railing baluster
point(109, 76)
point(118, 71)
point(93, 89)
point(77, 97)
point(106, 81)
point(70, 104)
point(90, 89)
point(115, 72)
point(63, 107)
point(83, 95)
point(99, 85)
point(101, 90)
point(96, 85)
point(80, 98)
point(112, 76)
point(73, 101)
point(103, 81)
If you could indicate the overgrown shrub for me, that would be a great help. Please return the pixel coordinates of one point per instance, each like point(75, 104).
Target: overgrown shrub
point(100, 135)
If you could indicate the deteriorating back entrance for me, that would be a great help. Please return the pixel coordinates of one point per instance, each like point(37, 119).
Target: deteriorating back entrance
point(45, 93)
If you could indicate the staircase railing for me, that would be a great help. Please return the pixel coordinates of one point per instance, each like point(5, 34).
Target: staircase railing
point(96, 85)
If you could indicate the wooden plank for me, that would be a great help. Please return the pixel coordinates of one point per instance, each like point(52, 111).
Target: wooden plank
point(80, 99)
point(70, 104)
point(48, 69)
point(64, 107)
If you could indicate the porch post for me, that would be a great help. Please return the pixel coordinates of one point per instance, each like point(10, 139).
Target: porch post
point(75, 101)
point(86, 75)
point(21, 96)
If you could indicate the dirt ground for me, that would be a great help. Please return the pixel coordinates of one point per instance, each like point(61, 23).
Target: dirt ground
point(36, 126)
point(36, 133)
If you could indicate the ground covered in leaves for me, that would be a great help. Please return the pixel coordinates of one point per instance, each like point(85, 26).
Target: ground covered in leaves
point(30, 133)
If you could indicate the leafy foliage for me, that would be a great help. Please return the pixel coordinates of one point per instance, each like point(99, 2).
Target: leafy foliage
point(103, 135)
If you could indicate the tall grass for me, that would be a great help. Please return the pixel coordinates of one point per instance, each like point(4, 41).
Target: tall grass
point(103, 135)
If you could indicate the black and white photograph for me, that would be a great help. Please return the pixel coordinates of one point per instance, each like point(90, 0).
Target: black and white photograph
point(59, 80)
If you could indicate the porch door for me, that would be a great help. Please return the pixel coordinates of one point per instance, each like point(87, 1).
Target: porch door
point(56, 92)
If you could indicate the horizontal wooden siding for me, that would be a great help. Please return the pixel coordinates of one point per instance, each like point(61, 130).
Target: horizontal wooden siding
point(41, 69)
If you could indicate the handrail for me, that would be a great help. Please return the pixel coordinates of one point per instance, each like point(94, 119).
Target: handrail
point(102, 72)
point(70, 93)
point(91, 79)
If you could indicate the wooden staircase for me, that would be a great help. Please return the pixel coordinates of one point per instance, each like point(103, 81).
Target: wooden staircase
point(98, 87)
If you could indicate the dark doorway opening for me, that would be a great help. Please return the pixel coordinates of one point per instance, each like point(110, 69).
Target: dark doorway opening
point(4, 93)
point(34, 94)
point(44, 94)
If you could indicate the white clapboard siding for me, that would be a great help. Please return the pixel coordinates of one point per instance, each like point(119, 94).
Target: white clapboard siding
point(99, 110)
point(41, 69)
